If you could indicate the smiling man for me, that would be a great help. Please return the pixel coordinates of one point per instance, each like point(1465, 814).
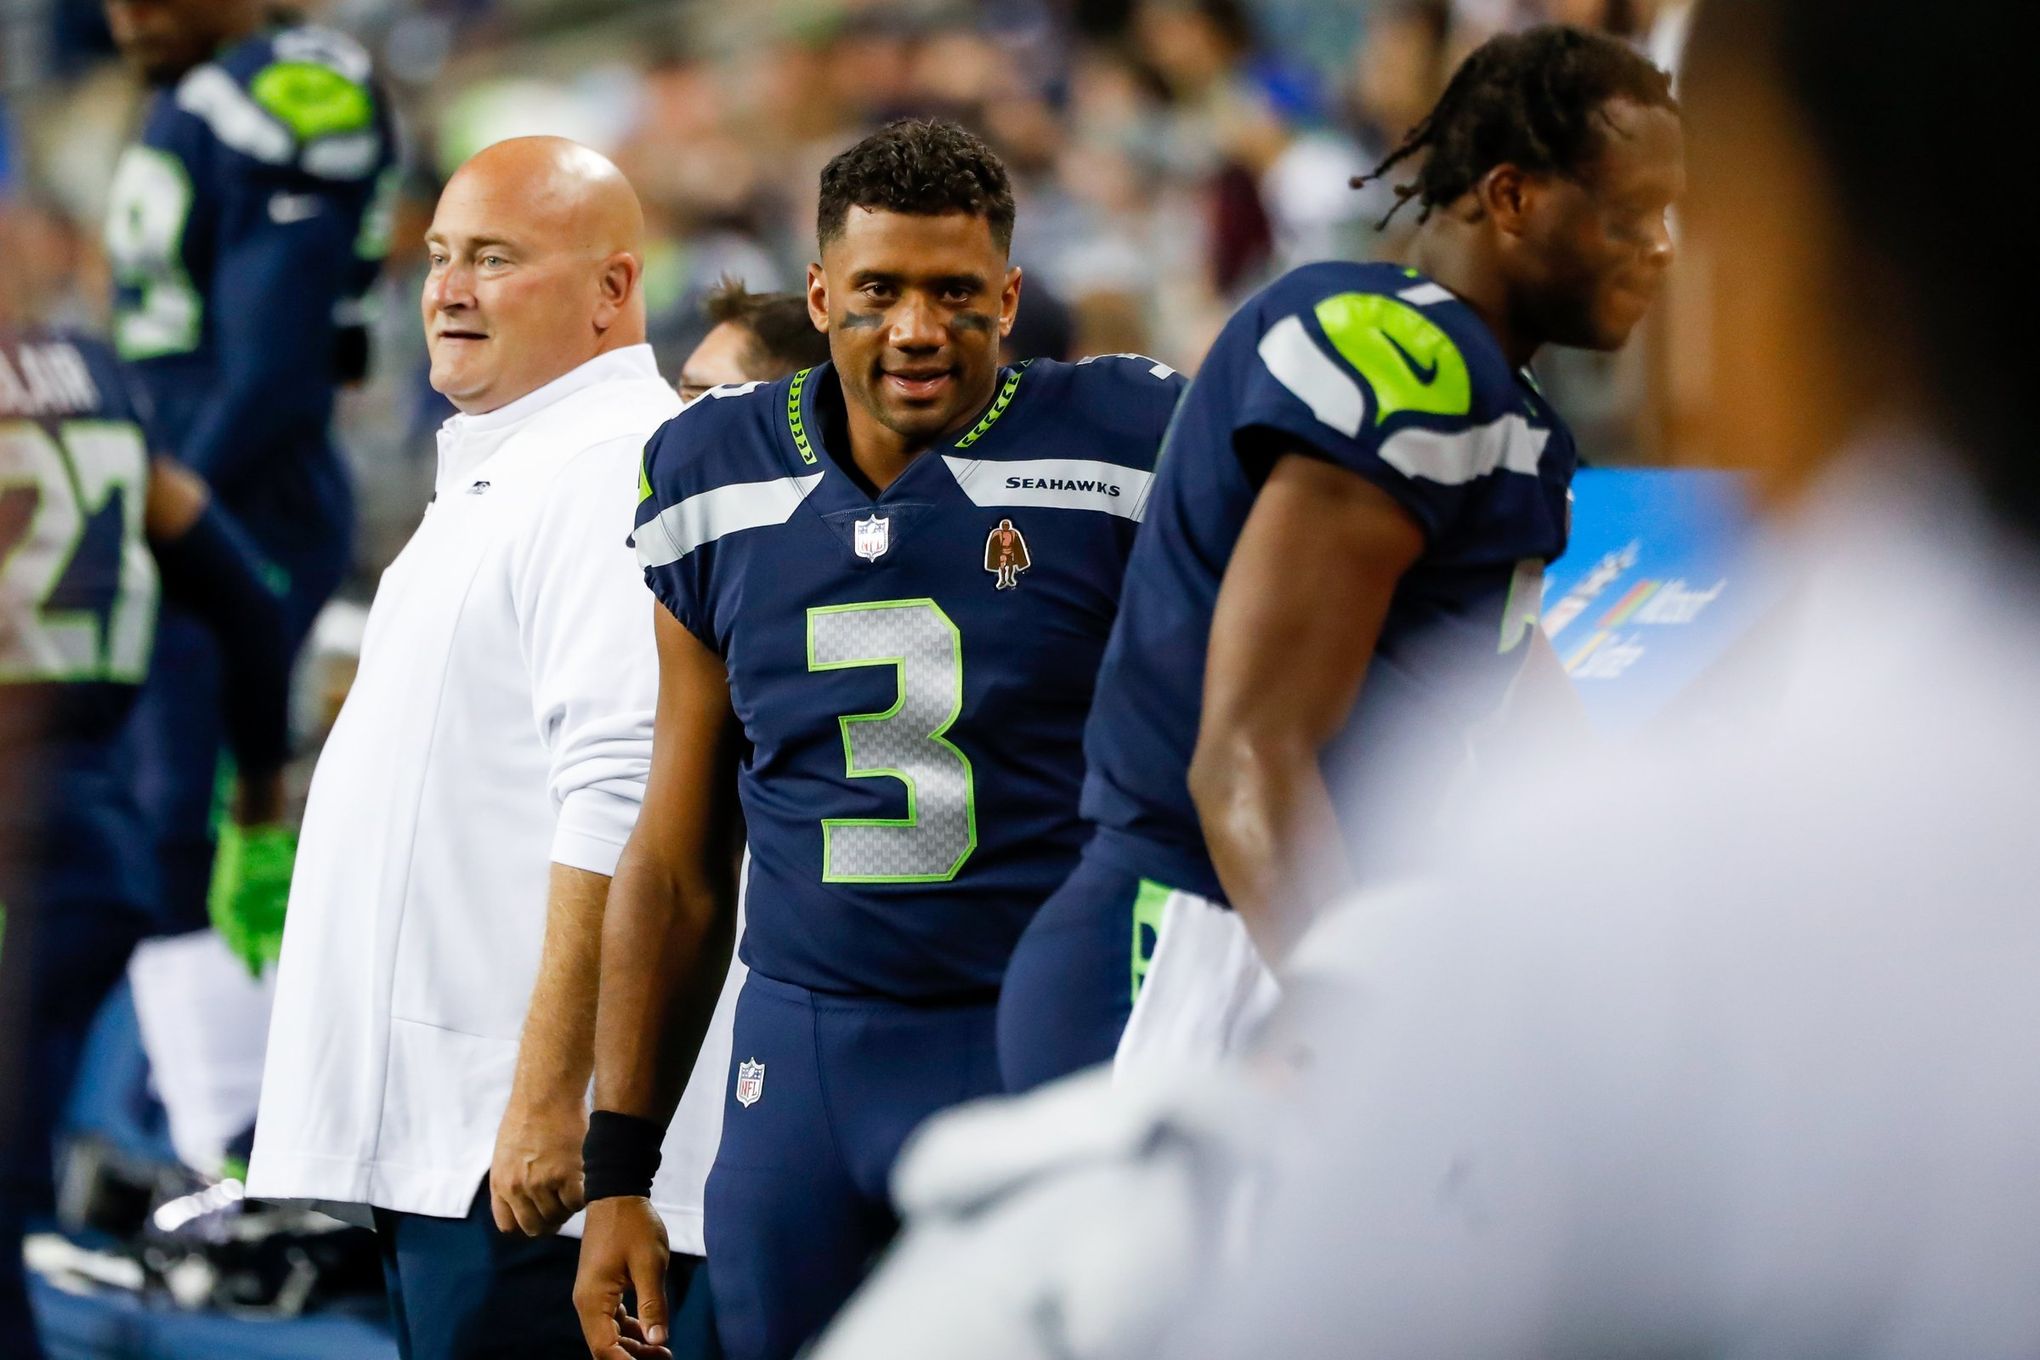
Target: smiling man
point(431, 1048)
point(846, 674)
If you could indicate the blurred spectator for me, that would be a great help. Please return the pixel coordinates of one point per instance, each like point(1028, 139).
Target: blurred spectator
point(753, 337)
point(1169, 155)
point(57, 266)
point(1044, 329)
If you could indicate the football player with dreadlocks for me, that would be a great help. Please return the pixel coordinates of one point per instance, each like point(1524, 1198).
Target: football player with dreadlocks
point(1337, 580)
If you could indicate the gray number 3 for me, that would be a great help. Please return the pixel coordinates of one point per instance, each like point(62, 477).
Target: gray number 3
point(906, 742)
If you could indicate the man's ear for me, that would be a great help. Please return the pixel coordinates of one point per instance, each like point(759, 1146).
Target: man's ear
point(818, 297)
point(1507, 195)
point(617, 288)
point(1009, 302)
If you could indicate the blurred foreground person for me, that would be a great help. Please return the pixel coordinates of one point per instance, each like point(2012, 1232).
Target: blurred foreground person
point(1728, 1045)
point(435, 1013)
point(79, 508)
point(244, 224)
point(756, 337)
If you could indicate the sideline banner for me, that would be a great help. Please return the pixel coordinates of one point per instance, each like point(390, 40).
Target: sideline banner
point(1654, 589)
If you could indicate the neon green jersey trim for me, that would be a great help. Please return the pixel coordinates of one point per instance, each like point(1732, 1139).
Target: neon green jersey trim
point(800, 439)
point(1147, 911)
point(1004, 399)
point(1409, 362)
point(311, 100)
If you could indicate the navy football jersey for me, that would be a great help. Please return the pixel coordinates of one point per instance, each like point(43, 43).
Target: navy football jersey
point(911, 672)
point(1390, 376)
point(78, 593)
point(243, 229)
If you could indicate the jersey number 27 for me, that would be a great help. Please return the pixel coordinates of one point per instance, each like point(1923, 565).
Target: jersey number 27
point(77, 583)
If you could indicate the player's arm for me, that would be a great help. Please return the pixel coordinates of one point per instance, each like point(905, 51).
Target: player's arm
point(289, 247)
point(666, 941)
point(1299, 613)
point(271, 307)
point(211, 565)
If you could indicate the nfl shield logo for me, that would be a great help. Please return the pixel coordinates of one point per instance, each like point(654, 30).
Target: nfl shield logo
point(750, 1083)
point(874, 536)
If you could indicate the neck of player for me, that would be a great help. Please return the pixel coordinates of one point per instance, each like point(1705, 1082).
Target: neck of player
point(1455, 253)
point(880, 453)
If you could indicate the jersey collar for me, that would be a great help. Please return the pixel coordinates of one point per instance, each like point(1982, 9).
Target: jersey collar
point(804, 428)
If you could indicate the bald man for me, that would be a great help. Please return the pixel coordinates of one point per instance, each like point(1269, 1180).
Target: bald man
point(431, 1047)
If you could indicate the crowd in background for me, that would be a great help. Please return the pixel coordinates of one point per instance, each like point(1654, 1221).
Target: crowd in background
point(1170, 156)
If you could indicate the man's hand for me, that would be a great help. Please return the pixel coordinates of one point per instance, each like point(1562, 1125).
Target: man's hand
point(177, 496)
point(623, 1248)
point(535, 1177)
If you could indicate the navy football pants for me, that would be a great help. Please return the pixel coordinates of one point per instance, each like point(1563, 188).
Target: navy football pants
point(58, 961)
point(797, 1201)
point(460, 1290)
point(1072, 979)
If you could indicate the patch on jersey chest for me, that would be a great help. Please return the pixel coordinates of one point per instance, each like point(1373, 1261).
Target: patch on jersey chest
point(1006, 554)
point(871, 537)
point(750, 1083)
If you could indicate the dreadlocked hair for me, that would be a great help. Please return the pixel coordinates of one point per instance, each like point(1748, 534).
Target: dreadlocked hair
point(1534, 99)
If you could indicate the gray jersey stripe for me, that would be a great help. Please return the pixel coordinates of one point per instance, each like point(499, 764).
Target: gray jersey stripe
point(234, 116)
point(1331, 393)
point(1054, 483)
point(702, 519)
point(1511, 444)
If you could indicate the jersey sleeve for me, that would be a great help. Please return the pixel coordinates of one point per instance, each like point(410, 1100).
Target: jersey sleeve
point(666, 504)
point(301, 109)
point(296, 144)
point(1139, 404)
point(1369, 382)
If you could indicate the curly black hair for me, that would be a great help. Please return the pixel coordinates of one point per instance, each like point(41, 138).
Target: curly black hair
point(919, 166)
point(1534, 99)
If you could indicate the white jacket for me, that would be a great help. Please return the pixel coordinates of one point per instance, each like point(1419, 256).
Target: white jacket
point(501, 721)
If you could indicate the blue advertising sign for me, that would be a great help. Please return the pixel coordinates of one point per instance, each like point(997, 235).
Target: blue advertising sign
point(1656, 585)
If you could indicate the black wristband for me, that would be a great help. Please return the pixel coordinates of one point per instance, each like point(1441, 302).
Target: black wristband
point(620, 1155)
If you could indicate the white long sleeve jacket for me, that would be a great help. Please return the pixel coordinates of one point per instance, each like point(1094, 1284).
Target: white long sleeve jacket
point(501, 722)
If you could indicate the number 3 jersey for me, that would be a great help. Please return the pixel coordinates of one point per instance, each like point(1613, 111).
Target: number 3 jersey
point(243, 229)
point(912, 673)
point(1383, 373)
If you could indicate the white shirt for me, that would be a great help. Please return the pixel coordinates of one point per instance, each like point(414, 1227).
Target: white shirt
point(1727, 1045)
point(500, 722)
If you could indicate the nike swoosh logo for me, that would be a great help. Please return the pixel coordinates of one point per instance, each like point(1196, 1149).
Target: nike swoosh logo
point(1424, 373)
point(286, 208)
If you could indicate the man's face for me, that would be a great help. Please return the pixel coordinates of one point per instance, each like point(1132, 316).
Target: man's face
point(509, 300)
point(915, 307)
point(723, 358)
point(163, 39)
point(1596, 249)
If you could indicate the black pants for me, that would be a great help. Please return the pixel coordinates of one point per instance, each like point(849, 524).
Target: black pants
point(460, 1290)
